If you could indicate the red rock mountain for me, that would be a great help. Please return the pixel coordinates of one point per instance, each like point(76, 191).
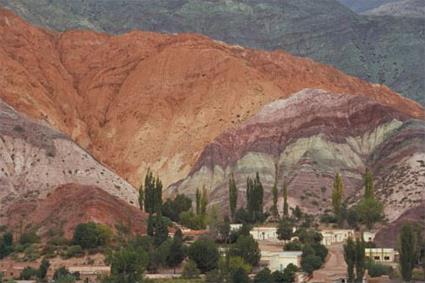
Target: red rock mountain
point(72, 204)
point(143, 99)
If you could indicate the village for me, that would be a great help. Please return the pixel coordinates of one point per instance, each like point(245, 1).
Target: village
point(273, 257)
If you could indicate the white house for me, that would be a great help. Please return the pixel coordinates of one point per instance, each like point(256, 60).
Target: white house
point(369, 236)
point(333, 236)
point(384, 255)
point(264, 233)
point(280, 260)
point(235, 227)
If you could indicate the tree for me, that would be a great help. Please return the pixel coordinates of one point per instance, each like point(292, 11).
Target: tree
point(408, 248)
point(233, 196)
point(128, 264)
point(254, 197)
point(240, 276)
point(247, 248)
point(360, 260)
point(6, 244)
point(176, 252)
point(310, 263)
point(160, 231)
point(274, 209)
point(28, 273)
point(284, 230)
point(337, 195)
point(150, 228)
point(190, 270)
point(264, 276)
point(223, 229)
point(141, 197)
point(205, 254)
point(285, 200)
point(368, 183)
point(91, 235)
point(198, 201)
point(289, 273)
point(152, 193)
point(42, 270)
point(370, 211)
point(350, 258)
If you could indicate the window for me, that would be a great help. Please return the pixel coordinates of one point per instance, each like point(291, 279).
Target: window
point(386, 257)
point(377, 257)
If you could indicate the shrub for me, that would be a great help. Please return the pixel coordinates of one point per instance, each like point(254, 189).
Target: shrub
point(29, 238)
point(28, 273)
point(247, 248)
point(376, 269)
point(190, 270)
point(74, 251)
point(310, 263)
point(91, 235)
point(205, 254)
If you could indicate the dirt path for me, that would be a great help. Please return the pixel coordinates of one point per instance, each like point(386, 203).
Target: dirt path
point(334, 267)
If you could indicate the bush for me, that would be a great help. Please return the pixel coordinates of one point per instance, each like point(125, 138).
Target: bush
point(29, 238)
point(91, 235)
point(328, 218)
point(205, 254)
point(190, 270)
point(192, 221)
point(264, 276)
point(28, 273)
point(74, 251)
point(247, 248)
point(293, 246)
point(376, 269)
point(310, 263)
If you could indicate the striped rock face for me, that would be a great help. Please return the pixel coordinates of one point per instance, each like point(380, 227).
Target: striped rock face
point(308, 137)
point(35, 160)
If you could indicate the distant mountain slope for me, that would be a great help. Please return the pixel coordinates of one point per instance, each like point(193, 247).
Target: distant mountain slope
point(397, 8)
point(361, 6)
point(308, 137)
point(404, 8)
point(381, 50)
point(35, 160)
point(143, 99)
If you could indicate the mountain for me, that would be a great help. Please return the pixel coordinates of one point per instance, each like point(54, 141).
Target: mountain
point(305, 139)
point(142, 99)
point(35, 160)
point(383, 50)
point(404, 8)
point(71, 204)
point(397, 8)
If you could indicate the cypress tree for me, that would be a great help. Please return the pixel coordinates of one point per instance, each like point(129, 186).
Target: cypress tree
point(233, 196)
point(275, 212)
point(150, 229)
point(360, 260)
point(368, 183)
point(350, 258)
point(337, 195)
point(408, 242)
point(285, 200)
point(198, 201)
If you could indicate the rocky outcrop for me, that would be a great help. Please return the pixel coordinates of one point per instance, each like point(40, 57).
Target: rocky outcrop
point(143, 100)
point(35, 160)
point(72, 204)
point(305, 139)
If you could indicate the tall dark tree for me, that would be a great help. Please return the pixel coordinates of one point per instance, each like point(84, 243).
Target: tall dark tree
point(152, 193)
point(275, 195)
point(368, 183)
point(285, 200)
point(254, 195)
point(160, 231)
point(151, 226)
point(350, 258)
point(408, 248)
point(360, 260)
point(337, 195)
point(198, 197)
point(176, 253)
point(284, 229)
point(233, 196)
